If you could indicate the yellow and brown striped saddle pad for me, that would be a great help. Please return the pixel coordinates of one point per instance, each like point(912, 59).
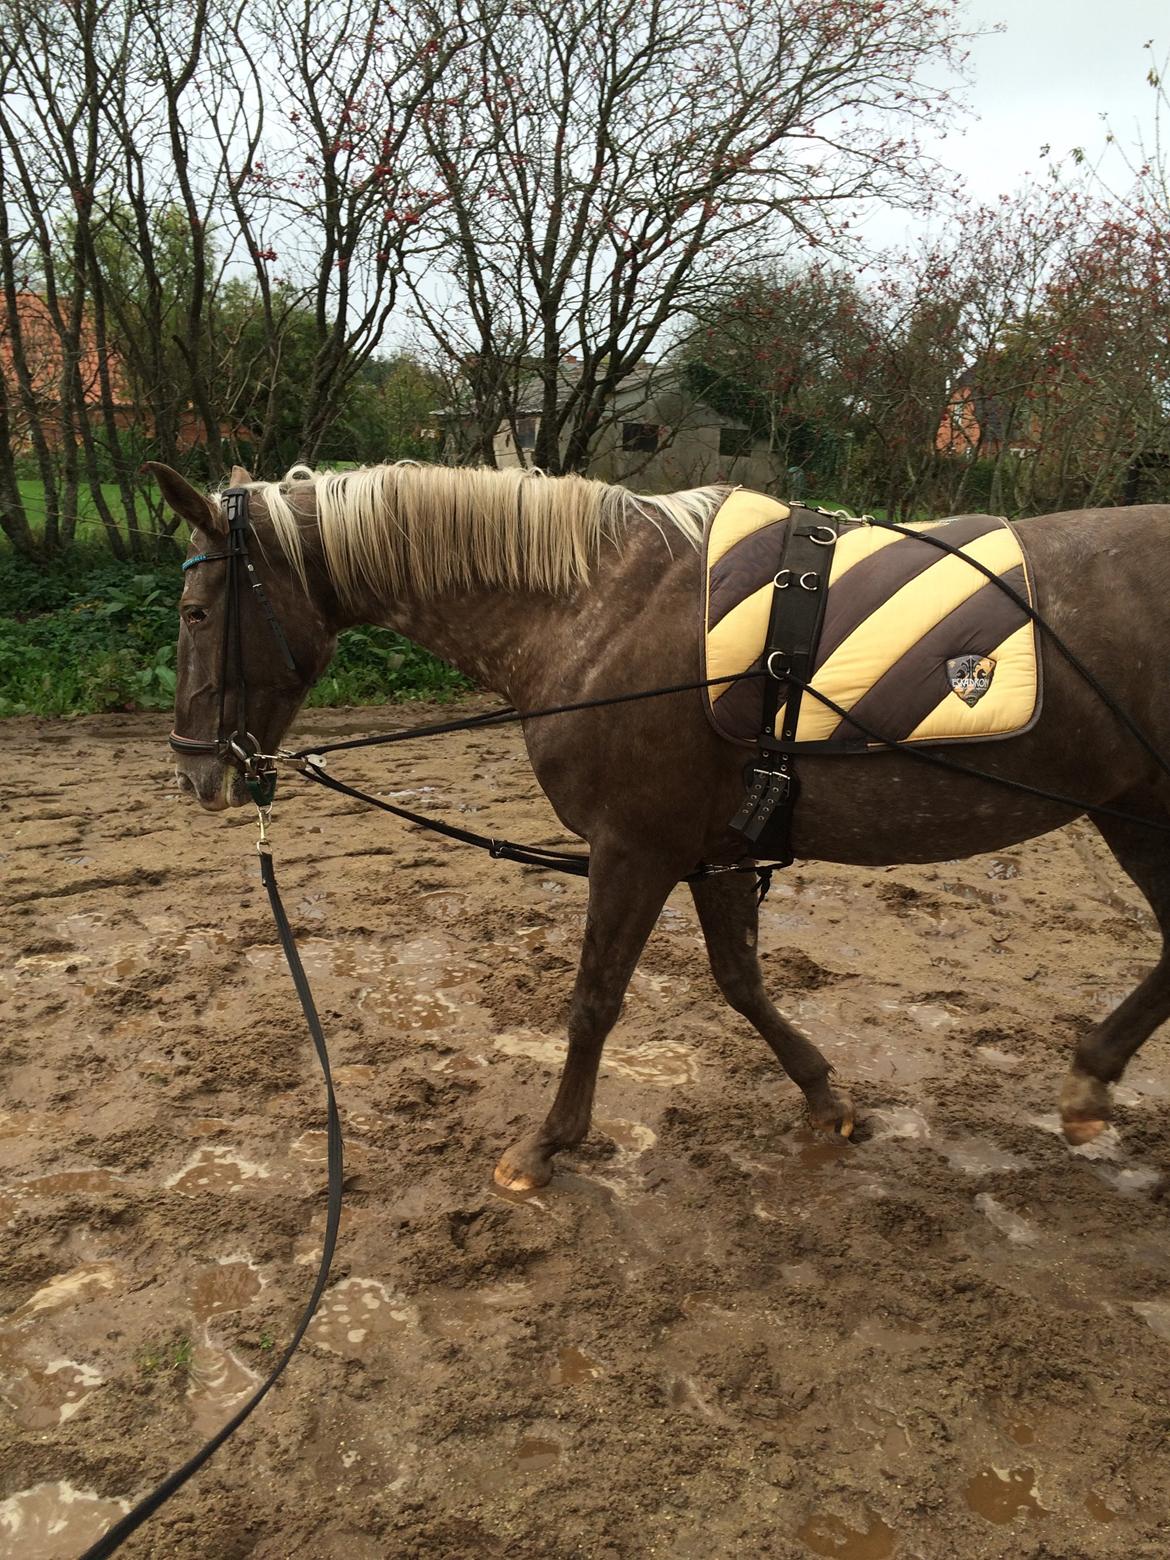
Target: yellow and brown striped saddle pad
point(914, 642)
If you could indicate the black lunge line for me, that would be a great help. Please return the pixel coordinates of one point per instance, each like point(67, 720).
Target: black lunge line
point(508, 715)
point(117, 1535)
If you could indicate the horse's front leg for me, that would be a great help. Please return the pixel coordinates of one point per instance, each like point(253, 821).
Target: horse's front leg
point(626, 892)
point(729, 913)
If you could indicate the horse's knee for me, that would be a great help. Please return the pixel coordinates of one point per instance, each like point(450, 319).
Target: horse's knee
point(592, 1015)
point(743, 990)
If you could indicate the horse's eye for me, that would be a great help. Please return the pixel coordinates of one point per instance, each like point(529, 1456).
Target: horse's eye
point(194, 614)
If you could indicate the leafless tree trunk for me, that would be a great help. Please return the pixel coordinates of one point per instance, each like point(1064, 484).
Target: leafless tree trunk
point(337, 200)
point(60, 64)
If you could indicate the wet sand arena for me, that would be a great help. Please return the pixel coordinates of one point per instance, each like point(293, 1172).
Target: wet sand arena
point(713, 1335)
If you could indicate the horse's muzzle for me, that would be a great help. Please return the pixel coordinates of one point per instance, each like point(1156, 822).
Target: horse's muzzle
point(215, 785)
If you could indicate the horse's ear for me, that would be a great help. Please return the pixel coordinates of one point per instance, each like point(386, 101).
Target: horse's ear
point(186, 501)
point(241, 477)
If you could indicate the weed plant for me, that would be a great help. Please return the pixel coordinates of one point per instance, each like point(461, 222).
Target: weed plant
point(88, 635)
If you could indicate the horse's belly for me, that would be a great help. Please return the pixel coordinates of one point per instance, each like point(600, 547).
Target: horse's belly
point(881, 811)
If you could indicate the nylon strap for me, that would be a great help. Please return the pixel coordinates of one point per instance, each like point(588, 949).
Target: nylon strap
point(117, 1535)
point(799, 593)
point(572, 862)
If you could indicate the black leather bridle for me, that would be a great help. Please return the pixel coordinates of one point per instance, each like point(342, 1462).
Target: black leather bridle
point(240, 745)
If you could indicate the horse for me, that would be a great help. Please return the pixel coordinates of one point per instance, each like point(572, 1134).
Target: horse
point(557, 590)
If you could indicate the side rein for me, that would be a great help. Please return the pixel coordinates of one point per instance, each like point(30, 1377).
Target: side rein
point(258, 769)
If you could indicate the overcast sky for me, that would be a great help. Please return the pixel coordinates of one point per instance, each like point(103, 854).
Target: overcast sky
point(1048, 76)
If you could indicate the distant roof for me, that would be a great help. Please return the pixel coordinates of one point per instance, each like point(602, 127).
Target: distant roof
point(42, 350)
point(648, 379)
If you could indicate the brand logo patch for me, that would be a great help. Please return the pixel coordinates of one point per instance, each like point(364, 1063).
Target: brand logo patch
point(970, 676)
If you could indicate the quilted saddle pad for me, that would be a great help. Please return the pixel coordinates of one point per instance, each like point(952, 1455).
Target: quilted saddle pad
point(916, 643)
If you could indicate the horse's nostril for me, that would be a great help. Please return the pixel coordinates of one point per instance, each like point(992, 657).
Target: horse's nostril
point(185, 782)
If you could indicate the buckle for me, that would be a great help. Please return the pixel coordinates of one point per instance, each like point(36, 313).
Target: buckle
point(768, 786)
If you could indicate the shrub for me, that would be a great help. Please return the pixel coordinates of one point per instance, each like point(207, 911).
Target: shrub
point(90, 635)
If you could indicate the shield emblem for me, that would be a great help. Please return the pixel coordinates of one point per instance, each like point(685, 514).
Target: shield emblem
point(970, 676)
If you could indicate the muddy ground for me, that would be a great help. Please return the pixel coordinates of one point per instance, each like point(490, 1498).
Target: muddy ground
point(712, 1335)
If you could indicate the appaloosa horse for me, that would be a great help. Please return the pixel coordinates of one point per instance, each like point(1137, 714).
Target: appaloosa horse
point(556, 590)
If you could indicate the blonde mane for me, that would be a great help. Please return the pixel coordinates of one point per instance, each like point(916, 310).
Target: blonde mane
point(428, 529)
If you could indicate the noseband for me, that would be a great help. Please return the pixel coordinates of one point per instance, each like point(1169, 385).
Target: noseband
point(238, 745)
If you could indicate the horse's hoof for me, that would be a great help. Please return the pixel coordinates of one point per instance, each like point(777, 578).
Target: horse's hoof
point(516, 1180)
point(1084, 1108)
point(1083, 1131)
point(835, 1118)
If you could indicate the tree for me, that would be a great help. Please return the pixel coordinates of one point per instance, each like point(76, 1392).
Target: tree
point(1099, 397)
point(605, 161)
point(779, 352)
point(390, 413)
point(957, 329)
point(1062, 299)
point(58, 64)
point(328, 191)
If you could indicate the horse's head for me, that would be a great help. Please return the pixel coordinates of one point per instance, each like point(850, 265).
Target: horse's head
point(251, 641)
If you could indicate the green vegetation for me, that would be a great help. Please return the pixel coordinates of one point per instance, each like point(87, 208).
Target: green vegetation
point(90, 532)
point(88, 634)
point(175, 1354)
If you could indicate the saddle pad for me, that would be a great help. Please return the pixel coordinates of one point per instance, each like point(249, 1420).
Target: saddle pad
point(917, 644)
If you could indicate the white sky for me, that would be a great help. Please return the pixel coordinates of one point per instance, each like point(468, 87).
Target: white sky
point(1049, 76)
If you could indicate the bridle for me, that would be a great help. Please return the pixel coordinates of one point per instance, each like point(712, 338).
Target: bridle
point(240, 745)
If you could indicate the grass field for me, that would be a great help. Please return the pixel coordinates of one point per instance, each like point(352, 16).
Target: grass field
point(90, 530)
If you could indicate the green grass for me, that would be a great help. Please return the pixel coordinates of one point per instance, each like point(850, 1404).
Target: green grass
point(173, 1354)
point(88, 635)
point(90, 530)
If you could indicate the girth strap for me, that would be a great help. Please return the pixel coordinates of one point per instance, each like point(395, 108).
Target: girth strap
point(799, 593)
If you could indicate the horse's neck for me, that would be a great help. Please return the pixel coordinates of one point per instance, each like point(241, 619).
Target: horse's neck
point(534, 648)
point(504, 640)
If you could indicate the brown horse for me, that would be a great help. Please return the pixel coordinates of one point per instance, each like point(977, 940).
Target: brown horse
point(556, 590)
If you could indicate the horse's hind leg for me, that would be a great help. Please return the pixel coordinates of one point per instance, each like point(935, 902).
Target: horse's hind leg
point(729, 915)
point(1101, 1056)
point(626, 892)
